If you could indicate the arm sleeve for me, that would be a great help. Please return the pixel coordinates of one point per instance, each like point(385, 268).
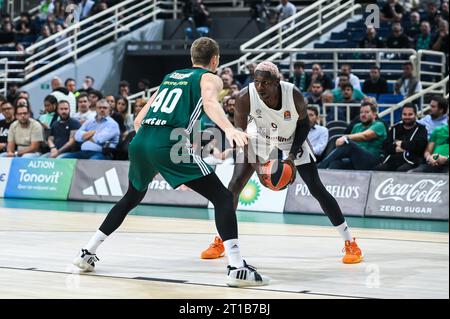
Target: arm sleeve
point(301, 133)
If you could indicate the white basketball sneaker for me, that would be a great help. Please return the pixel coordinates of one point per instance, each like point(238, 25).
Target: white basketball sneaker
point(245, 277)
point(85, 260)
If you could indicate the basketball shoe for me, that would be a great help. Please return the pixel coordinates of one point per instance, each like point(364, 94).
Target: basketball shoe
point(215, 250)
point(353, 253)
point(245, 277)
point(85, 260)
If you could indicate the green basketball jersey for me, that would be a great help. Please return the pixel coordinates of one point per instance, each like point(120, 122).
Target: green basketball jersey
point(178, 103)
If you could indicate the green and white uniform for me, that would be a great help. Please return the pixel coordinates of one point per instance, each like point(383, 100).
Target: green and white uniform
point(162, 144)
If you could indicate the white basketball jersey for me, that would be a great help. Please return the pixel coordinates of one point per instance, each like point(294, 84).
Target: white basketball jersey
point(270, 129)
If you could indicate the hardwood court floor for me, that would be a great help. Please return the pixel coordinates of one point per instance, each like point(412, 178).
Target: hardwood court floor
point(156, 257)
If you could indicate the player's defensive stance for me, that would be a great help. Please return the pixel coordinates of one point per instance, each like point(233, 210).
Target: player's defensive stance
point(269, 105)
point(180, 101)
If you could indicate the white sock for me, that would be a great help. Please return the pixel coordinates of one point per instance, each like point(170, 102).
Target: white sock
point(344, 231)
point(233, 253)
point(95, 241)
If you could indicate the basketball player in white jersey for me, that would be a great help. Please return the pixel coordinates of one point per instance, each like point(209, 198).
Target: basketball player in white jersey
point(269, 105)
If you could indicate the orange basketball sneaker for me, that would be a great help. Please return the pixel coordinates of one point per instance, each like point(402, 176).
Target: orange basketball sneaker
point(353, 253)
point(215, 250)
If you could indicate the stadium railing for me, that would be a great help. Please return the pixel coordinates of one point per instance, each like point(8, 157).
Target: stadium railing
point(4, 77)
point(80, 37)
point(354, 56)
point(432, 89)
point(295, 31)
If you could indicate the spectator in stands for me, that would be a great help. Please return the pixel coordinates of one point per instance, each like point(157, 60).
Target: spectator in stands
point(392, 11)
point(444, 10)
point(200, 17)
point(23, 94)
point(62, 94)
point(371, 40)
point(413, 29)
point(438, 114)
point(346, 69)
point(50, 116)
point(121, 116)
point(24, 136)
point(251, 73)
point(227, 81)
point(234, 88)
point(124, 89)
point(7, 35)
point(229, 71)
point(23, 26)
point(8, 118)
point(344, 80)
point(375, 84)
point(316, 94)
point(348, 98)
point(143, 84)
point(94, 97)
point(88, 84)
point(97, 135)
point(138, 106)
point(397, 39)
point(300, 78)
point(440, 41)
point(408, 84)
point(71, 85)
point(61, 138)
point(99, 7)
point(45, 33)
point(84, 8)
point(46, 7)
point(360, 150)
point(318, 135)
point(436, 153)
point(229, 106)
point(431, 15)
point(318, 75)
point(111, 99)
point(405, 143)
point(327, 97)
point(284, 10)
point(55, 83)
point(21, 101)
point(51, 22)
point(12, 93)
point(63, 45)
point(424, 38)
point(84, 113)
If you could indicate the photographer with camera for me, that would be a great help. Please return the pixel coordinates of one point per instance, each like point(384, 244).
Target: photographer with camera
point(197, 13)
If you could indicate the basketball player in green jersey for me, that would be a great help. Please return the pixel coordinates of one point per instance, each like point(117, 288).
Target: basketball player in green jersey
point(182, 98)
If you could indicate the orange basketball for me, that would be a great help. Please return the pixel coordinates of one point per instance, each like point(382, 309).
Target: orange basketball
point(276, 175)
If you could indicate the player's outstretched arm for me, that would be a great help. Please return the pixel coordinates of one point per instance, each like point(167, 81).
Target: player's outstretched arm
point(303, 126)
point(138, 120)
point(211, 86)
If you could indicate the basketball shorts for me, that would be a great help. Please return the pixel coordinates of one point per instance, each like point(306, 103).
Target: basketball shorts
point(152, 151)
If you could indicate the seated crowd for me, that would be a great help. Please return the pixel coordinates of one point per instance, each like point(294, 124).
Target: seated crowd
point(101, 127)
point(94, 128)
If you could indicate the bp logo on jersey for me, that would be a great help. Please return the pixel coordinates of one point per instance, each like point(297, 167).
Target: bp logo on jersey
point(250, 193)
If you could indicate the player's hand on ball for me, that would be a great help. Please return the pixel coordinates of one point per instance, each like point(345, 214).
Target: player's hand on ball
point(290, 162)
